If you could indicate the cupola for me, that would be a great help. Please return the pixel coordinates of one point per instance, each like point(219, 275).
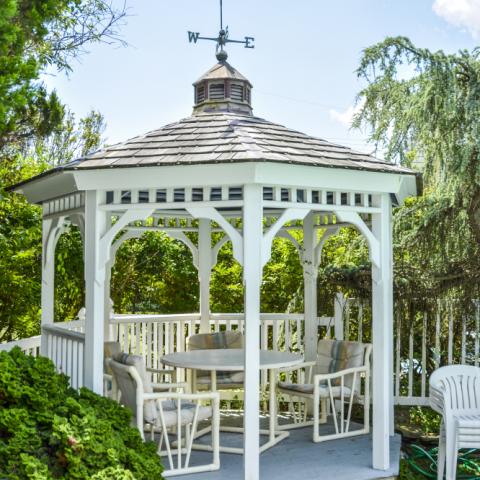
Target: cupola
point(222, 88)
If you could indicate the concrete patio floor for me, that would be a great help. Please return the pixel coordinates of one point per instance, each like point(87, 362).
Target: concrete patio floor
point(297, 457)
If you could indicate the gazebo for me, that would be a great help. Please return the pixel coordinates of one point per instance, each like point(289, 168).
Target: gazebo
point(223, 169)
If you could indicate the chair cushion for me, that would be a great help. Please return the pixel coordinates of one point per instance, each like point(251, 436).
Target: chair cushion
point(187, 413)
point(217, 340)
point(149, 409)
point(110, 349)
point(336, 355)
point(307, 389)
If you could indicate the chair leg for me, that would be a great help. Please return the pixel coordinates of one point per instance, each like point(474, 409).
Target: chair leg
point(454, 462)
point(323, 408)
point(316, 420)
point(441, 453)
point(450, 455)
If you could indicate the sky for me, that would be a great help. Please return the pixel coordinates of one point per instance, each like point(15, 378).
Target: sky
point(302, 67)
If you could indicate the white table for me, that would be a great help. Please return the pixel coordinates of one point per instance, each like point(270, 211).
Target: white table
point(232, 360)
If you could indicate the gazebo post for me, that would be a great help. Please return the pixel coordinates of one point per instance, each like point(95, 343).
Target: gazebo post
point(48, 282)
point(310, 275)
point(252, 273)
point(106, 294)
point(204, 271)
point(382, 321)
point(95, 227)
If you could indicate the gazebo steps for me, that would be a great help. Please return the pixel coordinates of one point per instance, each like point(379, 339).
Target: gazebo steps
point(297, 457)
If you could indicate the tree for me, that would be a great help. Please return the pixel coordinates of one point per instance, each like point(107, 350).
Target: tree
point(36, 35)
point(423, 108)
point(21, 238)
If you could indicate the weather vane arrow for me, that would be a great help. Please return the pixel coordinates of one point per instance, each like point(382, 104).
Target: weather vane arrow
point(222, 38)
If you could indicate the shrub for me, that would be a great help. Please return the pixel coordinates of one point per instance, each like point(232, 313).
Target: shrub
point(49, 430)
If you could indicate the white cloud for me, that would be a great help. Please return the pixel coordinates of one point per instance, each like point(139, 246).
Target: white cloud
point(460, 13)
point(345, 117)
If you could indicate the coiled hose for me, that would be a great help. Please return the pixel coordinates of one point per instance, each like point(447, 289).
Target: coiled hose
point(425, 462)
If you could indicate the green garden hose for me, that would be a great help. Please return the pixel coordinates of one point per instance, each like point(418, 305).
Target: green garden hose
point(425, 462)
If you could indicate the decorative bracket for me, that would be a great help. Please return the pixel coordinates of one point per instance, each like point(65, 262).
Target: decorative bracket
point(212, 214)
point(107, 239)
point(319, 247)
point(178, 235)
point(53, 228)
point(374, 245)
point(217, 247)
point(287, 215)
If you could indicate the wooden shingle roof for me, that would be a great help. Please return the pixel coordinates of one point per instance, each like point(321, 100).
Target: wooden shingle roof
point(225, 137)
point(222, 70)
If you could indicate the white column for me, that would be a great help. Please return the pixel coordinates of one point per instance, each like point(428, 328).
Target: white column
point(382, 324)
point(107, 308)
point(95, 226)
point(310, 275)
point(252, 273)
point(48, 283)
point(204, 271)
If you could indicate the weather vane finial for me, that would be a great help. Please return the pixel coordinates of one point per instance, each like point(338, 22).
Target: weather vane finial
point(222, 39)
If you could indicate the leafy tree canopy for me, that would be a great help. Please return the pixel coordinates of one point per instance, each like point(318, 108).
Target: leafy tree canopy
point(36, 35)
point(423, 109)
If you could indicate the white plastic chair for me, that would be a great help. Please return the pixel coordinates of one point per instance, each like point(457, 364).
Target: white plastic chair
point(157, 410)
point(455, 394)
point(335, 378)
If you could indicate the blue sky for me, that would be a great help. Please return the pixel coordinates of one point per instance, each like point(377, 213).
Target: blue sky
point(302, 67)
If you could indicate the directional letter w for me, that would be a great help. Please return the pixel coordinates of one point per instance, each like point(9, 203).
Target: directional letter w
point(193, 36)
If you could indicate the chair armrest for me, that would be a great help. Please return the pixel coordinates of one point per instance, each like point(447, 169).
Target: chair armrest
point(340, 373)
point(214, 396)
point(162, 371)
point(162, 387)
point(297, 367)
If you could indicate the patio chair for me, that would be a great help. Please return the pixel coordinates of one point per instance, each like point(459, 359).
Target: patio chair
point(112, 348)
point(201, 379)
point(334, 379)
point(455, 394)
point(161, 408)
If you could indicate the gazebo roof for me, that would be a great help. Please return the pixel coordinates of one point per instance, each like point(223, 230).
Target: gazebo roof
point(225, 137)
point(222, 130)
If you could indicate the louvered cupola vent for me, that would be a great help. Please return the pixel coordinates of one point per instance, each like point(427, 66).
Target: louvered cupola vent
point(200, 94)
point(236, 92)
point(216, 91)
point(222, 88)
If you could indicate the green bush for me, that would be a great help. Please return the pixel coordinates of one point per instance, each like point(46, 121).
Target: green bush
point(48, 430)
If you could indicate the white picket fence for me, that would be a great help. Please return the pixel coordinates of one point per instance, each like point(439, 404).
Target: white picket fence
point(445, 338)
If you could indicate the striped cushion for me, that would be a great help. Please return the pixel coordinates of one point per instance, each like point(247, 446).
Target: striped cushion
point(217, 340)
point(336, 355)
point(307, 389)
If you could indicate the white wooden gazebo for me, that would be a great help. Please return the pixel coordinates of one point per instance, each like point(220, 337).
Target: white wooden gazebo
point(223, 169)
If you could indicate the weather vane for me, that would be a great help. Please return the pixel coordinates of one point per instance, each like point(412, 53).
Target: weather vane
point(222, 39)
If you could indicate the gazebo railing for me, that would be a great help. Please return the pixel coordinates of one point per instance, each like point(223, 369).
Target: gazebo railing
point(30, 345)
point(155, 335)
point(429, 340)
point(65, 344)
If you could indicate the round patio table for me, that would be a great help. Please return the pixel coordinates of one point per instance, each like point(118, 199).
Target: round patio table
point(232, 359)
